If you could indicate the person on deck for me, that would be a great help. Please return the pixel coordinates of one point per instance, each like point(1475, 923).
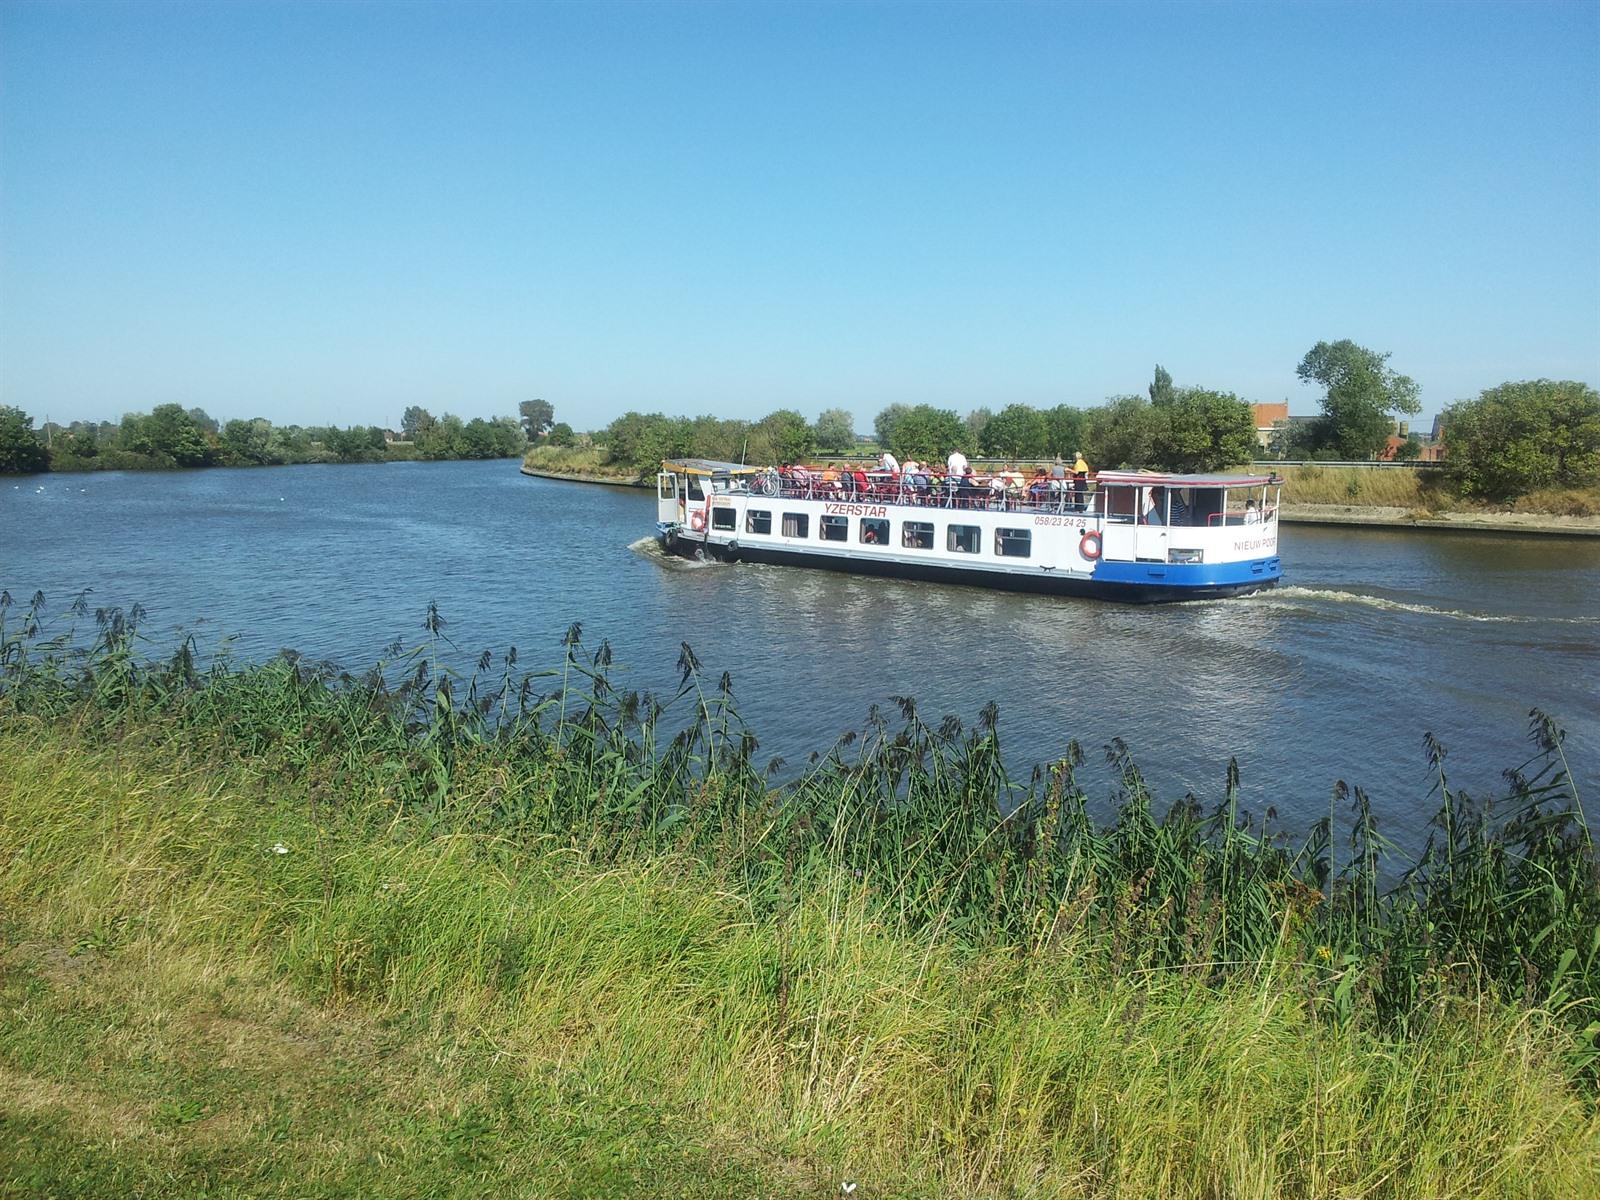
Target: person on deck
point(956, 468)
point(1252, 514)
point(1080, 481)
point(889, 462)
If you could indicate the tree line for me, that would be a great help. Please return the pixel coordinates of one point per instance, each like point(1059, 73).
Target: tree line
point(1510, 440)
point(171, 437)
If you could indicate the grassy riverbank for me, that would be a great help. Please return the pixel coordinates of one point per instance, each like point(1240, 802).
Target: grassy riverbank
point(271, 932)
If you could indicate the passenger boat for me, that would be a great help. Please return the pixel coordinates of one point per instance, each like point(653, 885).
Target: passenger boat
point(1132, 536)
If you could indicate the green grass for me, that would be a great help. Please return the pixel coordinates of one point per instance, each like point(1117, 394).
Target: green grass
point(399, 1007)
point(586, 930)
point(1423, 492)
point(575, 461)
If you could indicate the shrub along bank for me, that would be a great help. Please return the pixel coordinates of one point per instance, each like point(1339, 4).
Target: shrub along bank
point(564, 939)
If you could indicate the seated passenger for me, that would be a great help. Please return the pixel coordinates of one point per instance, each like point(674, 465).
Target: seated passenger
point(1252, 514)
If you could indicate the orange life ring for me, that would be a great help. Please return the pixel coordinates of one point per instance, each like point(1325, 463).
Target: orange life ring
point(1089, 545)
point(697, 521)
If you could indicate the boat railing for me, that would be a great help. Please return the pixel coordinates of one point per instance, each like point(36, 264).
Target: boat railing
point(924, 491)
point(1269, 513)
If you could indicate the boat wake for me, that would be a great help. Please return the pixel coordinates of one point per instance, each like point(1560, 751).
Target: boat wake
point(1291, 594)
point(650, 547)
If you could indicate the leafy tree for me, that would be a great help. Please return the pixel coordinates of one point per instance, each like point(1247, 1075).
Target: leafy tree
point(1122, 433)
point(561, 435)
point(781, 437)
point(415, 422)
point(537, 416)
point(883, 424)
point(1409, 450)
point(356, 444)
point(249, 444)
point(1064, 430)
point(1016, 431)
point(1361, 396)
point(1161, 392)
point(21, 452)
point(76, 448)
point(925, 432)
point(510, 439)
point(445, 439)
point(1520, 436)
point(203, 421)
point(977, 421)
point(641, 440)
point(836, 430)
point(1201, 430)
point(168, 435)
point(713, 437)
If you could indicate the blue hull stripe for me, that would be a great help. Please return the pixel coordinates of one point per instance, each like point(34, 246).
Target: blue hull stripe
point(1189, 575)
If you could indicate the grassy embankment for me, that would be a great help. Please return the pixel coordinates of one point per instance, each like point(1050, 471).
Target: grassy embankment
point(270, 932)
point(562, 460)
point(1421, 493)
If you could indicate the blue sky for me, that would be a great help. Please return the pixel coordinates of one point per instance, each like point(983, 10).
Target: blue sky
point(327, 211)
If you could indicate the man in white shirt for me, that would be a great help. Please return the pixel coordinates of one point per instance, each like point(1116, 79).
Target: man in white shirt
point(957, 462)
point(889, 462)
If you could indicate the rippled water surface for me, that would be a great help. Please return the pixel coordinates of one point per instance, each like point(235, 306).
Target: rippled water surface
point(1375, 638)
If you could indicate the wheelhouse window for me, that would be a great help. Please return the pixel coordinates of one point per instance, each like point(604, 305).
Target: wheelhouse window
point(692, 487)
point(1013, 543)
point(668, 484)
point(834, 529)
point(916, 535)
point(758, 520)
point(965, 539)
point(796, 525)
point(724, 518)
point(874, 531)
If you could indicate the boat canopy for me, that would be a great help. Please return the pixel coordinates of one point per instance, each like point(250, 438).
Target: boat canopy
point(707, 466)
point(1161, 479)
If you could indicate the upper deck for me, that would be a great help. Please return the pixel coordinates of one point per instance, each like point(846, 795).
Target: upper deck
point(1117, 497)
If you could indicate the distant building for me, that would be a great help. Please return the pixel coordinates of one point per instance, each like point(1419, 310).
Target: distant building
point(1267, 416)
point(1431, 451)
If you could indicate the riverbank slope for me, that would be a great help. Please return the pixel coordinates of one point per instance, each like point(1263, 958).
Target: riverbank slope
point(214, 982)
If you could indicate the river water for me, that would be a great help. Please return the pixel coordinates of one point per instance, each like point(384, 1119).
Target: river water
point(1375, 638)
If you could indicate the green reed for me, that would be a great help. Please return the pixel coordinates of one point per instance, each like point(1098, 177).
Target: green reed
point(1503, 899)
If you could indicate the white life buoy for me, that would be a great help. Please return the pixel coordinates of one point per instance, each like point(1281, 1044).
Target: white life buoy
point(697, 521)
point(1089, 545)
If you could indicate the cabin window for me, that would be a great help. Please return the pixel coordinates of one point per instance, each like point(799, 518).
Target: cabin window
point(724, 518)
point(796, 525)
point(758, 520)
point(1207, 506)
point(874, 531)
point(834, 529)
point(916, 535)
point(964, 539)
point(692, 486)
point(1013, 543)
point(669, 486)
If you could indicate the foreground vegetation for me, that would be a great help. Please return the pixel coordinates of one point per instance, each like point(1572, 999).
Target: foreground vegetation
point(274, 930)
